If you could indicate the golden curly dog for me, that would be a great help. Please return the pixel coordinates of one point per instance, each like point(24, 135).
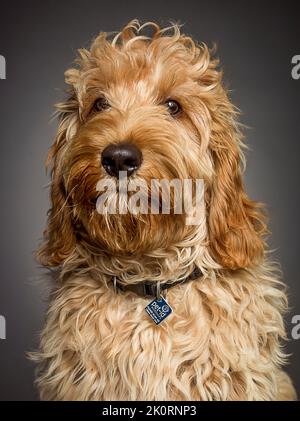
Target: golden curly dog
point(150, 102)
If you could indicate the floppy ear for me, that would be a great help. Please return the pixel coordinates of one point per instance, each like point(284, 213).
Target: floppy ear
point(59, 238)
point(236, 223)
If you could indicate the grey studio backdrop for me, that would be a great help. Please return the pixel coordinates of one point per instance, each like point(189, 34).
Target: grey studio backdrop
point(256, 42)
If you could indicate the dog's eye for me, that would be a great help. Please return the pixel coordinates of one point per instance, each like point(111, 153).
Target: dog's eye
point(101, 104)
point(173, 107)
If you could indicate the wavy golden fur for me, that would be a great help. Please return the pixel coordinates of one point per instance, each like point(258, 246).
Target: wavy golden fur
point(222, 341)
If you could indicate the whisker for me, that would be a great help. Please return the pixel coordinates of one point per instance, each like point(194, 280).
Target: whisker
point(64, 205)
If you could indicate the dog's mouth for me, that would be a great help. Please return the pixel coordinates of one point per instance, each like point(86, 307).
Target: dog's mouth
point(128, 218)
point(147, 201)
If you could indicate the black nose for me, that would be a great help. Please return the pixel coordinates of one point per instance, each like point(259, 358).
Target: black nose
point(121, 157)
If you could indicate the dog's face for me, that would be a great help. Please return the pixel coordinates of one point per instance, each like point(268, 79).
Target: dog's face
point(153, 108)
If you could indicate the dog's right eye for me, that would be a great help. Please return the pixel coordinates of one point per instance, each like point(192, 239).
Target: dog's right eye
point(173, 107)
point(101, 104)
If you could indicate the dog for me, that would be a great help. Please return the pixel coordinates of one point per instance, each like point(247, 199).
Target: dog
point(145, 306)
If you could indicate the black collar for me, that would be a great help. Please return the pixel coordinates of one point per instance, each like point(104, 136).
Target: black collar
point(153, 289)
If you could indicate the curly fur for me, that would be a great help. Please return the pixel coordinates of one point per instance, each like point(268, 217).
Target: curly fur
point(222, 341)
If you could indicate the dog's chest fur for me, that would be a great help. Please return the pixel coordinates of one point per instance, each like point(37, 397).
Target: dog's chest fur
point(219, 343)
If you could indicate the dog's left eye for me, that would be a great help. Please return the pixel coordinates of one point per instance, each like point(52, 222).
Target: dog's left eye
point(173, 107)
point(101, 104)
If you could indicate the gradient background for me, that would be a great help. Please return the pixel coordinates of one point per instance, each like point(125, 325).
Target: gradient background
point(256, 42)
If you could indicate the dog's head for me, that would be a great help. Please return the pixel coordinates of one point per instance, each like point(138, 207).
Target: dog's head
point(153, 107)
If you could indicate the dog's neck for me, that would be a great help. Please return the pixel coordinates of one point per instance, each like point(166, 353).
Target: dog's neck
point(153, 289)
point(161, 265)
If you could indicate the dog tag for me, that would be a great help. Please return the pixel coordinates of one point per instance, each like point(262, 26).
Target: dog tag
point(158, 310)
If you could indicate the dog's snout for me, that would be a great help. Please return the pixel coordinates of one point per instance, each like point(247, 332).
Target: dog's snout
point(121, 157)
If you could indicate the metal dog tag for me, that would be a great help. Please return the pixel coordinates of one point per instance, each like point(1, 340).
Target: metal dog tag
point(158, 310)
